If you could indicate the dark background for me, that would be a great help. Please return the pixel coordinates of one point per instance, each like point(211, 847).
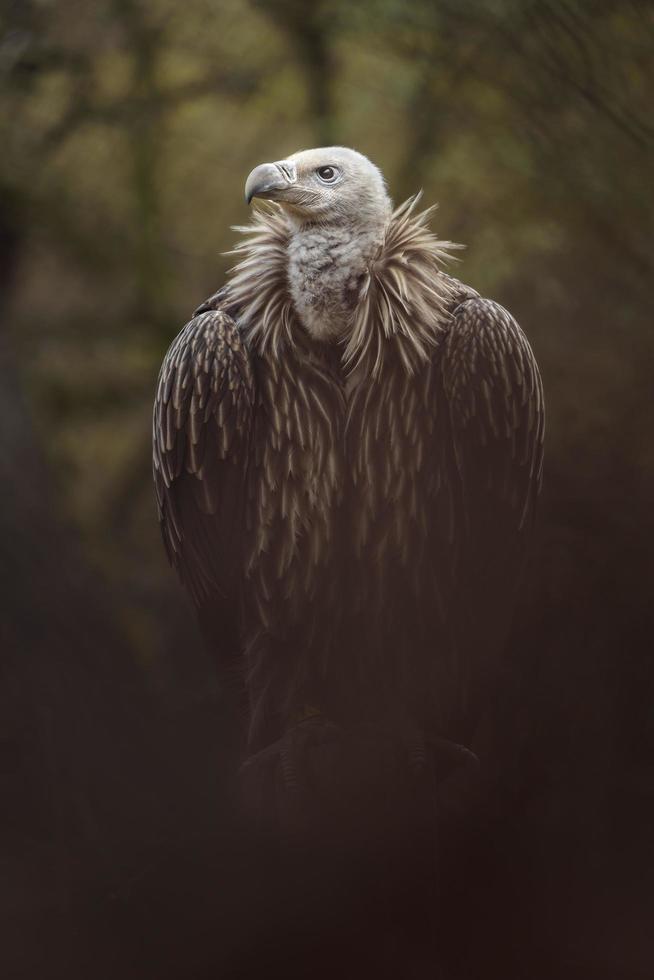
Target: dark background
point(126, 132)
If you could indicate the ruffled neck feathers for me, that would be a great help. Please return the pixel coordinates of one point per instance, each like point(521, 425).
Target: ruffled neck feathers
point(389, 291)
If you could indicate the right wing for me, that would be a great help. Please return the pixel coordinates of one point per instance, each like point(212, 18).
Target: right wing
point(202, 422)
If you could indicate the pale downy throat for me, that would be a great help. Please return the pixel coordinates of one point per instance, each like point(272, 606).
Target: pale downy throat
point(327, 267)
point(287, 277)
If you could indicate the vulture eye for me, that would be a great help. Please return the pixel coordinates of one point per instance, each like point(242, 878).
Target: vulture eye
point(327, 174)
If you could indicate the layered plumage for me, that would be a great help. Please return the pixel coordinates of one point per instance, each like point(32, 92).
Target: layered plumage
point(349, 508)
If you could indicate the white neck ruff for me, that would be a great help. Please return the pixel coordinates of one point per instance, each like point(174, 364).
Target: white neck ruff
point(401, 292)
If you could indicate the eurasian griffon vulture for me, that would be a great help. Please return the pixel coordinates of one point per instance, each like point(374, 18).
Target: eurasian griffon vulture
point(347, 453)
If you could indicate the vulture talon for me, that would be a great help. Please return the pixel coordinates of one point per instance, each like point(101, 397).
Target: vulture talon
point(311, 730)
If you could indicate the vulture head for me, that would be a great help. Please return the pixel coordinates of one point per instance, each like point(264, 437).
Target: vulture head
point(352, 269)
point(329, 185)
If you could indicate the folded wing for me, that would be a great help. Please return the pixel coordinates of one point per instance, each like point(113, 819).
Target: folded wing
point(201, 436)
point(494, 399)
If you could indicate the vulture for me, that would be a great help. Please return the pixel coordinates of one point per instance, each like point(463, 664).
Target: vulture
point(348, 449)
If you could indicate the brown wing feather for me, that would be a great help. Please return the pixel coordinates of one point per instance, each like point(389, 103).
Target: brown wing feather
point(495, 399)
point(201, 432)
point(494, 395)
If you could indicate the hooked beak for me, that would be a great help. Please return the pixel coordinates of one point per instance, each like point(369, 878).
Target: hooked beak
point(270, 180)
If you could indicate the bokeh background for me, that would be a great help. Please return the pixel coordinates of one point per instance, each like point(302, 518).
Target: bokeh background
point(126, 131)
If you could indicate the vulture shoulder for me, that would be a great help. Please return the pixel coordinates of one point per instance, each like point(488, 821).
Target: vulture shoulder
point(495, 398)
point(201, 431)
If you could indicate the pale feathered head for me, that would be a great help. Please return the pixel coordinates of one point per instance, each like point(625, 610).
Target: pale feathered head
point(403, 298)
point(325, 185)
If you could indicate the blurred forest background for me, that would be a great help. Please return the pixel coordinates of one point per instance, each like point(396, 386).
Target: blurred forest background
point(127, 129)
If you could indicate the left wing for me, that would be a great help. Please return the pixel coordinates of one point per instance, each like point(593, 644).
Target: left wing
point(494, 398)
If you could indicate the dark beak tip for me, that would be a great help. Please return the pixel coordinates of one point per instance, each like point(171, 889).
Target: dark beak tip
point(266, 180)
